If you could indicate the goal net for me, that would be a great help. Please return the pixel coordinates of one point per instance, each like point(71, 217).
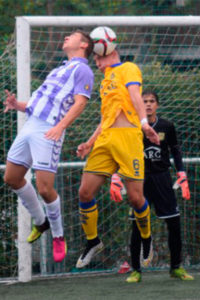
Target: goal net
point(167, 51)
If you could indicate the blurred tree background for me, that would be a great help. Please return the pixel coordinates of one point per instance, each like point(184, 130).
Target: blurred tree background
point(9, 9)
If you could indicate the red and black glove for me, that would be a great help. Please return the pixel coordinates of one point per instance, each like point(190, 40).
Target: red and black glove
point(182, 182)
point(116, 188)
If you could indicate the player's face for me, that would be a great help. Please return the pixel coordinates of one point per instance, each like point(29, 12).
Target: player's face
point(72, 41)
point(102, 62)
point(151, 105)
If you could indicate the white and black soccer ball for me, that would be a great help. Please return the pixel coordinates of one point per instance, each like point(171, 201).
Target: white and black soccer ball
point(104, 39)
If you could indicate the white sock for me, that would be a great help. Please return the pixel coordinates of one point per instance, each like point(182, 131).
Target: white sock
point(29, 199)
point(53, 211)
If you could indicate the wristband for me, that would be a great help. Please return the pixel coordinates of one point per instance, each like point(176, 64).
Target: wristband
point(143, 121)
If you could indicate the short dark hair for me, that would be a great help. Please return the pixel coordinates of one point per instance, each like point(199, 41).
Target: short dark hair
point(151, 92)
point(87, 39)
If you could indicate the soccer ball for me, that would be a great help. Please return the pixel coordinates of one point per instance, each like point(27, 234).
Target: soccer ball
point(104, 39)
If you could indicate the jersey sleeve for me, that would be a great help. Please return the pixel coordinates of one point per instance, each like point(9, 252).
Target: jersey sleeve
point(84, 81)
point(132, 74)
point(175, 148)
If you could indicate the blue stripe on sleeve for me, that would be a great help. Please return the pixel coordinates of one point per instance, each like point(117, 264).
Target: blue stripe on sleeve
point(133, 82)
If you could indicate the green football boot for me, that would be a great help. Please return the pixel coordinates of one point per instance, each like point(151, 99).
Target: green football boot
point(134, 277)
point(181, 274)
point(37, 231)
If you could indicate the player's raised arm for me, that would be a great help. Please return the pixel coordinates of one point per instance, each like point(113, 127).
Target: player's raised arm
point(138, 104)
point(11, 103)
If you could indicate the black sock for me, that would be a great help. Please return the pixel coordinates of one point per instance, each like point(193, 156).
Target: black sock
point(174, 241)
point(135, 247)
point(93, 242)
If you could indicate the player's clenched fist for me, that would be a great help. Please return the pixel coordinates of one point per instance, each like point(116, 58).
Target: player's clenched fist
point(83, 149)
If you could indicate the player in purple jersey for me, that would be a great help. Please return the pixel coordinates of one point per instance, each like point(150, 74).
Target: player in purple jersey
point(52, 108)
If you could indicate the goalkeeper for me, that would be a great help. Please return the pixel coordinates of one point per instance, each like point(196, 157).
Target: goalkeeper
point(158, 189)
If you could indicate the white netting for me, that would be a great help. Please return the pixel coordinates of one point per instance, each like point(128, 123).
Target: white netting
point(8, 205)
point(168, 57)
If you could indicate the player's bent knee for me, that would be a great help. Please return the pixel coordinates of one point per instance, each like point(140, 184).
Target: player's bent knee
point(44, 191)
point(136, 200)
point(11, 181)
point(7, 180)
point(85, 194)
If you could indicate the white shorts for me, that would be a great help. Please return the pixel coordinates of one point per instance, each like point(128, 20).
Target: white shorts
point(31, 149)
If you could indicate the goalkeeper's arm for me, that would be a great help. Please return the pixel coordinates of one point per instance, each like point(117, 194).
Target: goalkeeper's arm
point(182, 180)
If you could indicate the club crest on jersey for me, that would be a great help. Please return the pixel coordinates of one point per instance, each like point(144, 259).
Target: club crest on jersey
point(112, 76)
point(161, 135)
point(153, 153)
point(86, 87)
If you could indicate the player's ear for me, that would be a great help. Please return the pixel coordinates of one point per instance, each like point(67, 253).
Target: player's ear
point(84, 45)
point(114, 53)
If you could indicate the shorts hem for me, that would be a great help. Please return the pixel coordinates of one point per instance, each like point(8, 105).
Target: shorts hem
point(98, 173)
point(131, 178)
point(169, 216)
point(43, 169)
point(18, 163)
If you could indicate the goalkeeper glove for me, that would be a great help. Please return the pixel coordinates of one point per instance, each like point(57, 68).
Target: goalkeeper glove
point(183, 183)
point(116, 188)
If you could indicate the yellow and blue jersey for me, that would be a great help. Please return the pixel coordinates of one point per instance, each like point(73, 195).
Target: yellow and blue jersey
point(114, 93)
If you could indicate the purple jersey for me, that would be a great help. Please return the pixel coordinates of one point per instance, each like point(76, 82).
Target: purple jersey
point(52, 100)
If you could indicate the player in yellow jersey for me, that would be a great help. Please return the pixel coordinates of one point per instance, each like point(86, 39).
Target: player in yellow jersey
point(123, 120)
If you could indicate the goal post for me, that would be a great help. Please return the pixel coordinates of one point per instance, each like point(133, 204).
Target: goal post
point(159, 45)
point(23, 93)
point(111, 21)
